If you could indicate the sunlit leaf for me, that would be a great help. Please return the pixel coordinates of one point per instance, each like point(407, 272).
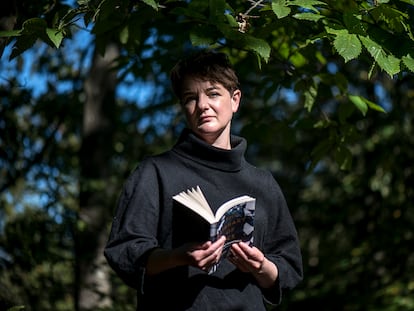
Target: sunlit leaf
point(310, 96)
point(363, 104)
point(280, 9)
point(231, 20)
point(388, 62)
point(409, 62)
point(359, 103)
point(393, 18)
point(259, 46)
point(124, 35)
point(347, 45)
point(308, 16)
point(373, 105)
point(151, 3)
point(55, 35)
point(10, 33)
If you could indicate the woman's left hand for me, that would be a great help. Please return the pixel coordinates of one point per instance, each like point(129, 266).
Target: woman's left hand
point(251, 259)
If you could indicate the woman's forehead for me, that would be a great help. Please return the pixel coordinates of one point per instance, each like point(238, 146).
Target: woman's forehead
point(198, 83)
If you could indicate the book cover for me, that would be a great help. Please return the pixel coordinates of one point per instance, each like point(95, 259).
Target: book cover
point(233, 219)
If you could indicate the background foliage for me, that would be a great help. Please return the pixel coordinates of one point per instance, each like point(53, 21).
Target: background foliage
point(327, 106)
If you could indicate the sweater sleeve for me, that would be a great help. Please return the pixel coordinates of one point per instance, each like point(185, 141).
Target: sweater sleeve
point(281, 244)
point(134, 227)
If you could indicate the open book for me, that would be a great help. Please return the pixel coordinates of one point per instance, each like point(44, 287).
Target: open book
point(234, 219)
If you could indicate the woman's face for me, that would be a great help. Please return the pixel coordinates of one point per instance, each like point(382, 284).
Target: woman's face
point(209, 108)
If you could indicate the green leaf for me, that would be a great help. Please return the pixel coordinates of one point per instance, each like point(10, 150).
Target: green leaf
point(124, 35)
point(10, 33)
point(280, 8)
point(151, 3)
point(298, 60)
point(322, 124)
point(34, 26)
point(200, 39)
point(308, 16)
point(55, 35)
point(259, 46)
point(409, 62)
point(393, 18)
point(343, 157)
point(363, 104)
point(353, 22)
point(16, 308)
point(387, 62)
point(347, 45)
point(373, 105)
point(310, 96)
point(231, 20)
point(23, 43)
point(359, 102)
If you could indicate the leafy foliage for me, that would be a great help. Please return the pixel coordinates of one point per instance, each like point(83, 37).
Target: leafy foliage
point(327, 106)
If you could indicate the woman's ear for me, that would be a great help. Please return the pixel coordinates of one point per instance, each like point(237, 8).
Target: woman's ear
point(235, 100)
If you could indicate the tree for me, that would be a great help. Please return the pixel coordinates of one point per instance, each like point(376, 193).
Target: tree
point(96, 187)
point(326, 88)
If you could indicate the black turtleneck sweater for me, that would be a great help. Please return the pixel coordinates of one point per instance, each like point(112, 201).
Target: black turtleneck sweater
point(143, 221)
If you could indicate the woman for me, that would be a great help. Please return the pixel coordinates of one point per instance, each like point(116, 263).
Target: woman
point(141, 246)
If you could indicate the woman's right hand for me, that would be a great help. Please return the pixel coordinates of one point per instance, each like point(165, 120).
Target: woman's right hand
point(204, 255)
point(200, 255)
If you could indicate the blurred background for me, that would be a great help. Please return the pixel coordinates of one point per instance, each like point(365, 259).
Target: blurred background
point(328, 107)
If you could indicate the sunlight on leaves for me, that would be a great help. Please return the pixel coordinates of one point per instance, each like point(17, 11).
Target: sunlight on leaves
point(409, 62)
point(389, 63)
point(359, 103)
point(55, 35)
point(280, 9)
point(347, 45)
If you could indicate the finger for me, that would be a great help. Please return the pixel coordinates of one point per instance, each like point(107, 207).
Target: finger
point(209, 257)
point(250, 252)
point(250, 258)
point(237, 250)
point(246, 248)
point(220, 241)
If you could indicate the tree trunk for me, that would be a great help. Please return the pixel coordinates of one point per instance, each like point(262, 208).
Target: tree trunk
point(92, 272)
point(8, 17)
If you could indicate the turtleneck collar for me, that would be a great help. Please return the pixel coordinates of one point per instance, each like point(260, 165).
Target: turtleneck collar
point(194, 148)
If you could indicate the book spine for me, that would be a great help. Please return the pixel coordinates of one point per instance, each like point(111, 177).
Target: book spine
point(213, 232)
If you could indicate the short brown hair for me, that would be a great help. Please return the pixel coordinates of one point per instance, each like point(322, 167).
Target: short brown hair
point(206, 66)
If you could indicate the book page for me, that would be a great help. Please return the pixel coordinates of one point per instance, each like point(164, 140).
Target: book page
point(195, 200)
point(229, 204)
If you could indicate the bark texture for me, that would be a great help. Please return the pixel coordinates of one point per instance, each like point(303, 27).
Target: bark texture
point(92, 272)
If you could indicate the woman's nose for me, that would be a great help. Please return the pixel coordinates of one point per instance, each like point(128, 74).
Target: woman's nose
point(202, 102)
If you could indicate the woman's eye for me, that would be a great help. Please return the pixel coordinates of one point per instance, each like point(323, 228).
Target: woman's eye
point(189, 100)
